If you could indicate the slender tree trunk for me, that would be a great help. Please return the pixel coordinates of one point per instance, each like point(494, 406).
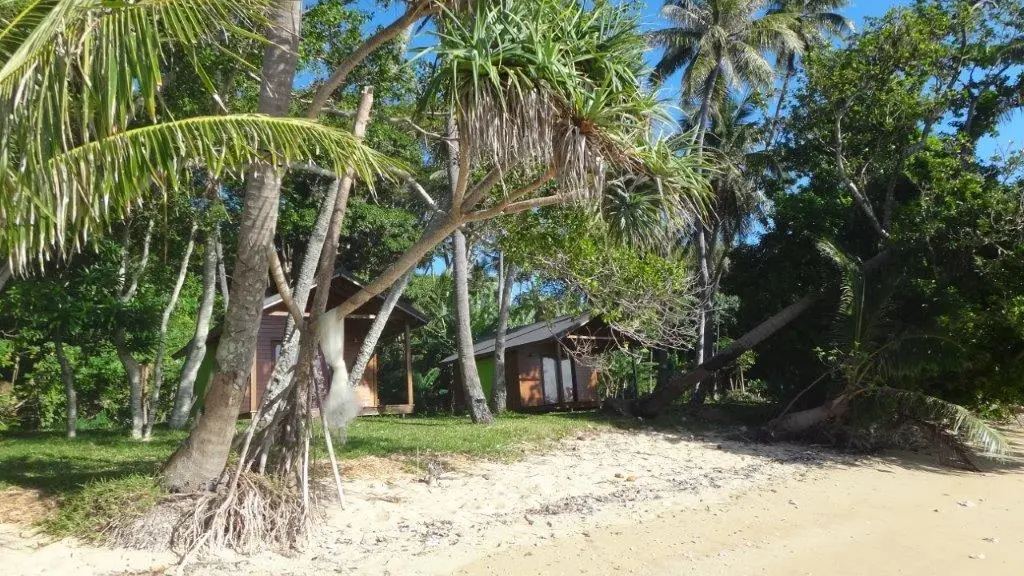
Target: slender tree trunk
point(377, 328)
point(222, 273)
point(476, 402)
point(133, 370)
point(161, 346)
point(309, 340)
point(183, 398)
point(5, 274)
point(300, 295)
point(783, 94)
point(198, 462)
point(499, 394)
point(67, 375)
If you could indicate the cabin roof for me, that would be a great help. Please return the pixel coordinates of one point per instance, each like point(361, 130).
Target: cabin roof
point(343, 285)
point(529, 334)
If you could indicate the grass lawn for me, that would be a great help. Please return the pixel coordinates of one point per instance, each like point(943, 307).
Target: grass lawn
point(100, 474)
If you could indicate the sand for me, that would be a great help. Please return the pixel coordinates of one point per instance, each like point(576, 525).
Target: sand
point(623, 502)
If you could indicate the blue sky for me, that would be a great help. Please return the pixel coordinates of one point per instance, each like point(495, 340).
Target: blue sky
point(1011, 133)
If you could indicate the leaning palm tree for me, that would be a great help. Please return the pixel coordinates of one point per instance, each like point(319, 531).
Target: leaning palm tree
point(817, 21)
point(870, 357)
point(84, 134)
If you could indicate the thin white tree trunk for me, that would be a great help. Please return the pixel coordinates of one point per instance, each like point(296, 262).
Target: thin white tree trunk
point(377, 328)
point(5, 274)
point(161, 346)
point(67, 374)
point(476, 402)
point(184, 397)
point(134, 371)
point(499, 393)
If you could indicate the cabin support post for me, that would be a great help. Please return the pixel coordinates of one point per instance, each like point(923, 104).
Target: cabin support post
point(254, 401)
point(407, 345)
point(558, 373)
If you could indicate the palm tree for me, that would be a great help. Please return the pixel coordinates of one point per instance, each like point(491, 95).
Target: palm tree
point(817, 21)
point(720, 45)
point(870, 356)
point(84, 134)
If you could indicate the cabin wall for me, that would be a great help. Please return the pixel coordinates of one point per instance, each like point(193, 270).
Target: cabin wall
point(271, 337)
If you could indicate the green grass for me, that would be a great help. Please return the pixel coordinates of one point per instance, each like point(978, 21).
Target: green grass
point(510, 436)
point(101, 475)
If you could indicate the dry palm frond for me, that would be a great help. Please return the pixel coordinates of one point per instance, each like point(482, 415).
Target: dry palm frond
point(555, 83)
point(953, 418)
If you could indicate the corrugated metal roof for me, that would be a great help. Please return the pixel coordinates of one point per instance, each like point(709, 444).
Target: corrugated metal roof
point(530, 334)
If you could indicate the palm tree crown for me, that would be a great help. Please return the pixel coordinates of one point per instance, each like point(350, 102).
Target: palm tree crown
point(720, 45)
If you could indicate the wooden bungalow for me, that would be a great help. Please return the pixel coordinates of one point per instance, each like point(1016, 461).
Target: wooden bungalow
point(544, 368)
point(386, 386)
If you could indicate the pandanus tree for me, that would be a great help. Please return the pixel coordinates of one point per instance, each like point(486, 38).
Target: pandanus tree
point(544, 97)
point(720, 46)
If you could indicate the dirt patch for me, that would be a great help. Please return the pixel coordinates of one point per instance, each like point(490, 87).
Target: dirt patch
point(24, 506)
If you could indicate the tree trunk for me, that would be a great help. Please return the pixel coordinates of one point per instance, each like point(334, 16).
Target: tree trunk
point(664, 396)
point(773, 128)
point(300, 295)
point(222, 273)
point(5, 274)
point(499, 394)
point(133, 370)
point(377, 328)
point(798, 422)
point(198, 462)
point(161, 346)
point(183, 398)
point(476, 402)
point(338, 400)
point(67, 375)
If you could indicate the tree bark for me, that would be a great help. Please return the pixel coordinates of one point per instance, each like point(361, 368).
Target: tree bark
point(161, 346)
point(499, 394)
point(198, 462)
point(300, 295)
point(476, 402)
point(183, 398)
point(67, 375)
point(309, 340)
point(377, 328)
point(798, 422)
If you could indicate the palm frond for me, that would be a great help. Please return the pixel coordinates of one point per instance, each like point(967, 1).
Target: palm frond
point(953, 417)
point(90, 185)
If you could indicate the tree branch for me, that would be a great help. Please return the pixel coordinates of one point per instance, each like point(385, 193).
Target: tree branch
point(414, 12)
point(858, 197)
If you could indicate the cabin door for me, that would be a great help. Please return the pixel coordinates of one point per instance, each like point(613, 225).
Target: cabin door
point(550, 380)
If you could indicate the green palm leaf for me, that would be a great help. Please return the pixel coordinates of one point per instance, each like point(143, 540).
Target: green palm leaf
point(953, 417)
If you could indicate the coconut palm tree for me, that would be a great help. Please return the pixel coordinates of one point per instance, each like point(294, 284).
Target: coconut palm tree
point(720, 45)
point(817, 21)
point(84, 134)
